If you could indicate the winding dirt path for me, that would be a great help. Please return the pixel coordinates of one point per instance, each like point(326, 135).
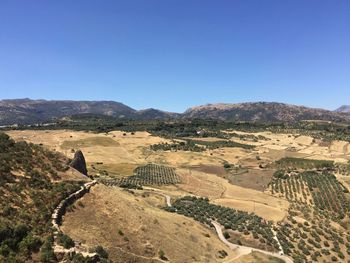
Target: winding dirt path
point(244, 250)
point(240, 250)
point(159, 192)
point(57, 217)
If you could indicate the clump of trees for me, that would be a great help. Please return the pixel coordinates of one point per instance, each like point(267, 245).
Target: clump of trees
point(197, 145)
point(178, 146)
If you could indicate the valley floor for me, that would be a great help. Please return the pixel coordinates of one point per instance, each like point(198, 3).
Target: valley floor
point(132, 224)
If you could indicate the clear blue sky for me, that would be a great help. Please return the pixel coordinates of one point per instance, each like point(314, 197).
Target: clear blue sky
point(172, 54)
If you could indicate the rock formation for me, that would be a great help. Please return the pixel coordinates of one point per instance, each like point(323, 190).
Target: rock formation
point(79, 163)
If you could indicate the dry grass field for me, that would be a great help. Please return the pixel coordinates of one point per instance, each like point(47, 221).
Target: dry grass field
point(258, 257)
point(133, 227)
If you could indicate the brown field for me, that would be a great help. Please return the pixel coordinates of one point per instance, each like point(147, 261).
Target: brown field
point(256, 179)
point(211, 169)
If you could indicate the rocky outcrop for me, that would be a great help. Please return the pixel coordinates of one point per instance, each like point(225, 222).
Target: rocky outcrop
point(79, 163)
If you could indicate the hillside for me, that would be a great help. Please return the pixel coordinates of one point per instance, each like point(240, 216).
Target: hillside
point(33, 181)
point(262, 112)
point(26, 111)
point(154, 114)
point(344, 108)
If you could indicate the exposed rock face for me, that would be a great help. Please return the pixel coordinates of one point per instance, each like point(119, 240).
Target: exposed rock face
point(79, 163)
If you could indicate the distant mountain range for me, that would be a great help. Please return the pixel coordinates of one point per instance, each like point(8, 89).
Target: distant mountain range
point(344, 108)
point(27, 111)
point(263, 112)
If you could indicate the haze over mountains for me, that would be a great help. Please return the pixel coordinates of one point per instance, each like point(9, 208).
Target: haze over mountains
point(27, 111)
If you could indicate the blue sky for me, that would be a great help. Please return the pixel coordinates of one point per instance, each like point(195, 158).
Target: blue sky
point(172, 54)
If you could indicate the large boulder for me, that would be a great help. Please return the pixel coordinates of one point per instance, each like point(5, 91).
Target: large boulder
point(79, 163)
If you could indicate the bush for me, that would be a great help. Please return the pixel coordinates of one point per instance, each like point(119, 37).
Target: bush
point(162, 255)
point(227, 165)
point(30, 244)
point(65, 241)
point(101, 252)
point(334, 258)
point(47, 255)
point(226, 235)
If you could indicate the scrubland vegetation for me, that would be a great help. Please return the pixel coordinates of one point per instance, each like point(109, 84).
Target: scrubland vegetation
point(28, 197)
